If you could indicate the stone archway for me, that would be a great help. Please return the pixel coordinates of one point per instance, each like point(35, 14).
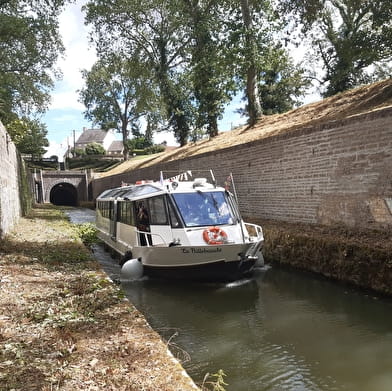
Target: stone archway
point(64, 194)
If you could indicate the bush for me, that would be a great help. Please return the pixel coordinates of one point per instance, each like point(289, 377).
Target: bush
point(154, 149)
point(78, 152)
point(138, 143)
point(95, 149)
point(87, 232)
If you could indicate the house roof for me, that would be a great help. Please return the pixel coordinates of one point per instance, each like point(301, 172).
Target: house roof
point(116, 146)
point(91, 136)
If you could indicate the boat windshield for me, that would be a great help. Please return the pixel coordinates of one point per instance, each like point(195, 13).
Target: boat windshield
point(204, 208)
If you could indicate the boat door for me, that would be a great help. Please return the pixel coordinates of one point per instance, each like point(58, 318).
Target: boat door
point(162, 220)
point(152, 217)
point(142, 217)
point(113, 220)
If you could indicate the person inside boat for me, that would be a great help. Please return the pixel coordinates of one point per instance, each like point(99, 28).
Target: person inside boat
point(143, 224)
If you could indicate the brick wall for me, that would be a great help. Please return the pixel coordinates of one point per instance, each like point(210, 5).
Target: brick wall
point(10, 207)
point(337, 173)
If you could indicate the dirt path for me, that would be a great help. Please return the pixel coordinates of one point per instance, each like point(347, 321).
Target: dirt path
point(65, 326)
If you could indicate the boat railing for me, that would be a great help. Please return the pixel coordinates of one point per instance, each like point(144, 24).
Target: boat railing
point(148, 238)
point(255, 232)
point(179, 176)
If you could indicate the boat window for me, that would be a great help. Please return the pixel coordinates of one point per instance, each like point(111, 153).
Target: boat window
point(111, 210)
point(174, 219)
point(141, 190)
point(120, 192)
point(204, 208)
point(104, 208)
point(125, 213)
point(158, 215)
point(233, 205)
point(113, 193)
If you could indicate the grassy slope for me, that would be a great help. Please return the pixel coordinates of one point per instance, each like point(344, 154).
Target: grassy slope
point(351, 103)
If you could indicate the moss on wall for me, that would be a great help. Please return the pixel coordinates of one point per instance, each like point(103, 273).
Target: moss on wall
point(25, 191)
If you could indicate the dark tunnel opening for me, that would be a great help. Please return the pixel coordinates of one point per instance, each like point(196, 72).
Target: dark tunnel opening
point(64, 194)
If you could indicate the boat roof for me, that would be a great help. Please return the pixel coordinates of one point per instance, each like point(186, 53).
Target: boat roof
point(148, 189)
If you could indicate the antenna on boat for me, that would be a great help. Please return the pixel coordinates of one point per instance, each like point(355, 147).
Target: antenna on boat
point(234, 189)
point(213, 178)
point(236, 199)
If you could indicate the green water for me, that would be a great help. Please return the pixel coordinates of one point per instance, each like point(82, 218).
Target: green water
point(280, 330)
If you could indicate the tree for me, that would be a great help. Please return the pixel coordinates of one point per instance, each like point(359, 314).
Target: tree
point(29, 45)
point(254, 106)
point(200, 52)
point(155, 30)
point(211, 76)
point(349, 36)
point(281, 83)
point(78, 152)
point(116, 94)
point(252, 33)
point(95, 149)
point(29, 136)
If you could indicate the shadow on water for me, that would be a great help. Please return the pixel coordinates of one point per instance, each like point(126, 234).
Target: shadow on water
point(182, 298)
point(281, 330)
point(324, 296)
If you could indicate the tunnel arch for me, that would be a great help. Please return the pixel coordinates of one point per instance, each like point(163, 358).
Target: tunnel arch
point(64, 194)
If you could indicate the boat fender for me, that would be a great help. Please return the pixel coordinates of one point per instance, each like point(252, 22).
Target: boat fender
point(214, 235)
point(132, 270)
point(128, 255)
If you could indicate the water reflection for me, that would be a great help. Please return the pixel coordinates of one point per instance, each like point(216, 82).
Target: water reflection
point(281, 330)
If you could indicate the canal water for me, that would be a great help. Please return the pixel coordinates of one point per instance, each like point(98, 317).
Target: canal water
point(279, 330)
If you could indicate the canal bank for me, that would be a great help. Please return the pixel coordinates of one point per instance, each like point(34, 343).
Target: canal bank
point(65, 326)
point(361, 258)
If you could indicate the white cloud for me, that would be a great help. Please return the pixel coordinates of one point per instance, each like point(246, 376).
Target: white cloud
point(66, 117)
point(78, 56)
point(65, 100)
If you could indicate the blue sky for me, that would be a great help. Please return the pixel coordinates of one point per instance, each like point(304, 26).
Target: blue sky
point(65, 113)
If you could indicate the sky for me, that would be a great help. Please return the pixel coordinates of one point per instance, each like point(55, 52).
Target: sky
point(65, 115)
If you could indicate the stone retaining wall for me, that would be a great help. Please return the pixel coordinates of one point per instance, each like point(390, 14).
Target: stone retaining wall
point(336, 173)
point(10, 205)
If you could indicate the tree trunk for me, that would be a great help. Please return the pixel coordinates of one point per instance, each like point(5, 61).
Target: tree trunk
point(125, 133)
point(254, 106)
point(212, 126)
point(174, 105)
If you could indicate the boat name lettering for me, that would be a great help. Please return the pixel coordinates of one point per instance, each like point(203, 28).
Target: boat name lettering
point(196, 250)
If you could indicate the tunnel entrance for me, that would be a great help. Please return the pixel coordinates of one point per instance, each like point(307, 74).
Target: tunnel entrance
point(64, 194)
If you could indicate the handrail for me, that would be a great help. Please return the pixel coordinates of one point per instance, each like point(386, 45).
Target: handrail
point(257, 229)
point(145, 233)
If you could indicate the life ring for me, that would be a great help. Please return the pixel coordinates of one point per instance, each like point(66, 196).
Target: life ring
point(214, 235)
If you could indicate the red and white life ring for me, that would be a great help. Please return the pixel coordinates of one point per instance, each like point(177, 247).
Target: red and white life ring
point(214, 235)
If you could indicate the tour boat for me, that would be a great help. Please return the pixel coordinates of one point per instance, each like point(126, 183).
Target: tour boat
point(179, 228)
